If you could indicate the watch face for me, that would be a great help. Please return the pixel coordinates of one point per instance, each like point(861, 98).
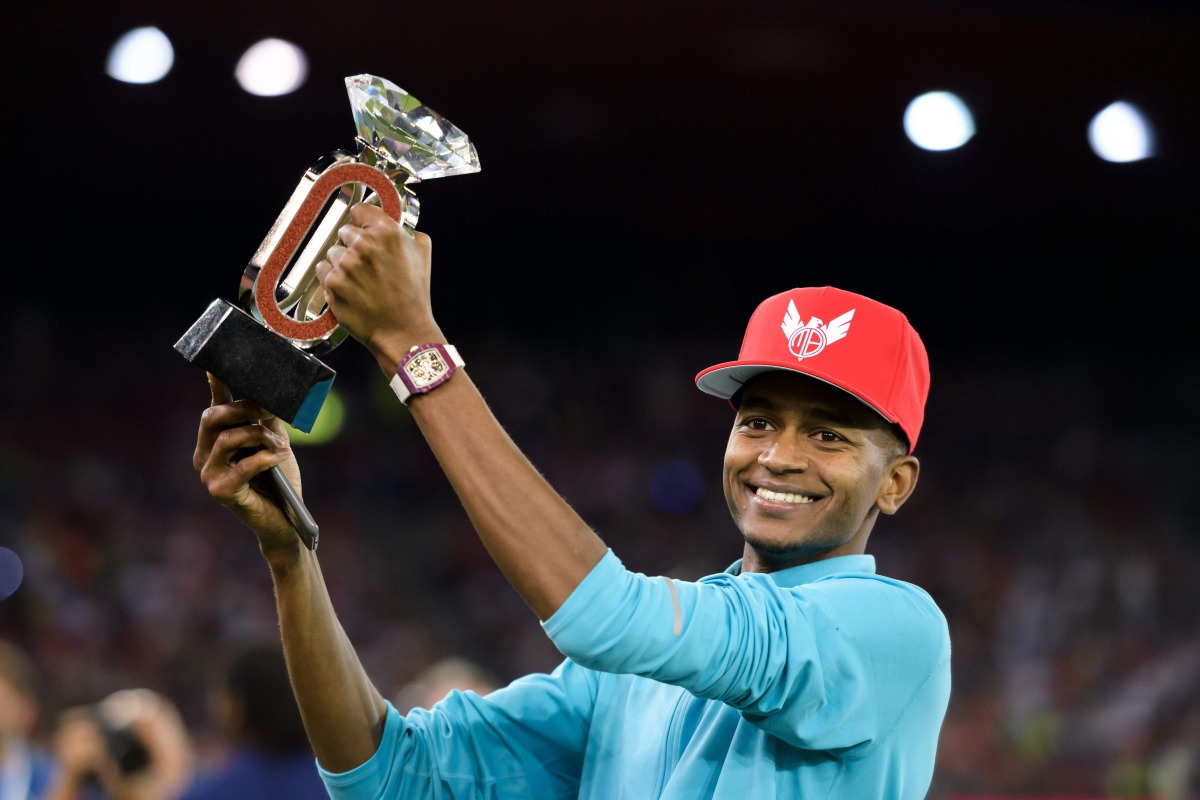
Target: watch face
point(426, 368)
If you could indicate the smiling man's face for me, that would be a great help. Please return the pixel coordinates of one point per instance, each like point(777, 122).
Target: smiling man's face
point(807, 469)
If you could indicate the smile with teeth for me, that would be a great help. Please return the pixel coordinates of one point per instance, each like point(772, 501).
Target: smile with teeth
point(782, 497)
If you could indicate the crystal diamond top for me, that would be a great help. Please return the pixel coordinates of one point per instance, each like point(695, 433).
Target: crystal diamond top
point(414, 137)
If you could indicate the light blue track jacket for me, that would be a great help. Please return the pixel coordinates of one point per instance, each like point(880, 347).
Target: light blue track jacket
point(820, 681)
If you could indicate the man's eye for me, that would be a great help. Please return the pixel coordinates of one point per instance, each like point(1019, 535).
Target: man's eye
point(757, 424)
point(829, 437)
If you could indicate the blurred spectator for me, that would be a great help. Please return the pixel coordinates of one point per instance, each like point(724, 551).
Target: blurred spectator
point(266, 756)
point(25, 767)
point(132, 745)
point(434, 683)
point(1059, 539)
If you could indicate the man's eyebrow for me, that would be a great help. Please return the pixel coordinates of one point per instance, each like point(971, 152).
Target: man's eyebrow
point(757, 401)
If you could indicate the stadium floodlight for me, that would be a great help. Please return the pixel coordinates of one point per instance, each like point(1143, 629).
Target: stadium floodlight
point(272, 67)
point(143, 55)
point(938, 121)
point(1121, 133)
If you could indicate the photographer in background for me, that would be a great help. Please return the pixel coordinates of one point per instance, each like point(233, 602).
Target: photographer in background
point(266, 755)
point(132, 745)
point(25, 768)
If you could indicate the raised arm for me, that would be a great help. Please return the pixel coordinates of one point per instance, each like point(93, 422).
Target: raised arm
point(378, 285)
point(342, 710)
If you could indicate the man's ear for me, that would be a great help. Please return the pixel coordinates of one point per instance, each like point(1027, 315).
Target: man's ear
point(899, 480)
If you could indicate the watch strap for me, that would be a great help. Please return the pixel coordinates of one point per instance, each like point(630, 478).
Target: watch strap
point(424, 368)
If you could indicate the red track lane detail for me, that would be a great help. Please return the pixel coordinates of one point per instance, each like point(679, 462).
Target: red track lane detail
point(322, 188)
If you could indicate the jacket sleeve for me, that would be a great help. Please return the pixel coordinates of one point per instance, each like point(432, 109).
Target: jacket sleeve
point(524, 740)
point(829, 665)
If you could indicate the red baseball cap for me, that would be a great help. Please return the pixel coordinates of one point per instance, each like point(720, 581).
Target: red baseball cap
point(844, 339)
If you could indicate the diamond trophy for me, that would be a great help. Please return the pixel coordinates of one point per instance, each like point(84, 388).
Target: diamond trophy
point(265, 346)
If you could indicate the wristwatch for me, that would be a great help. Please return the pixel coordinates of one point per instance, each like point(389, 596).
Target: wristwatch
point(424, 368)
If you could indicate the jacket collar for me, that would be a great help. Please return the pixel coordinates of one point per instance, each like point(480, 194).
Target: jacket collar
point(808, 573)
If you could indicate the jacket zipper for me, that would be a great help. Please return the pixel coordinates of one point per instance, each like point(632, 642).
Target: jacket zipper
point(671, 739)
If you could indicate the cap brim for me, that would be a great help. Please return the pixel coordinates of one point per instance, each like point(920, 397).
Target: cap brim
point(724, 380)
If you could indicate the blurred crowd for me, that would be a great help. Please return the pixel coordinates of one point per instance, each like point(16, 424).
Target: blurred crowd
point(1054, 525)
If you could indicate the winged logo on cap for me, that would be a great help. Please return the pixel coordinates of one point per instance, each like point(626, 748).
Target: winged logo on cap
point(808, 339)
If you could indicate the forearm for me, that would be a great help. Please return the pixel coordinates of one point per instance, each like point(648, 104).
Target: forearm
point(540, 544)
point(342, 710)
point(377, 283)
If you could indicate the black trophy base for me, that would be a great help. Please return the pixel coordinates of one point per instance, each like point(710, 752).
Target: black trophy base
point(258, 364)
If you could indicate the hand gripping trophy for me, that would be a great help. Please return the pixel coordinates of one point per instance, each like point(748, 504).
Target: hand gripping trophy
point(265, 346)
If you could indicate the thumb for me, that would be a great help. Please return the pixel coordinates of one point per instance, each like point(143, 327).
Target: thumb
point(220, 392)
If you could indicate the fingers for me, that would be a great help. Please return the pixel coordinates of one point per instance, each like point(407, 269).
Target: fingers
point(227, 480)
point(277, 427)
point(365, 215)
point(340, 257)
point(350, 235)
point(356, 243)
point(338, 269)
point(155, 722)
point(323, 269)
point(237, 442)
point(338, 253)
point(375, 280)
point(368, 228)
point(230, 444)
point(158, 724)
point(220, 392)
point(365, 222)
point(215, 420)
point(78, 744)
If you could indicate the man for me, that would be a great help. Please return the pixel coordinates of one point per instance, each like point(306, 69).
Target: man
point(266, 752)
point(26, 767)
point(132, 745)
point(797, 673)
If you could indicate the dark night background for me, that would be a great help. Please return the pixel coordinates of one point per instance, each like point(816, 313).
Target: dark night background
point(656, 164)
point(650, 171)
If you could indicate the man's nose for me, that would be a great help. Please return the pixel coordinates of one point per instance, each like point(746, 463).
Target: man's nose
point(788, 453)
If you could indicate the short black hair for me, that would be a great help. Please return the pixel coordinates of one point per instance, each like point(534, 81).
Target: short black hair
point(258, 681)
point(902, 443)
